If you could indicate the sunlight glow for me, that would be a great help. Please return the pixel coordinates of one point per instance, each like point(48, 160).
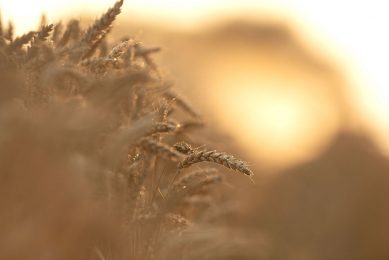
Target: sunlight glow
point(283, 118)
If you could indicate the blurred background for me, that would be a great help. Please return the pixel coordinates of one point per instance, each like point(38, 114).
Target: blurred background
point(288, 74)
point(301, 89)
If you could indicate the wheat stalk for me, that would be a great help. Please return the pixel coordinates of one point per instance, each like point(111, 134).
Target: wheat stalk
point(179, 101)
point(9, 35)
point(66, 36)
point(160, 149)
point(1, 26)
point(57, 30)
point(206, 176)
point(2, 42)
point(189, 185)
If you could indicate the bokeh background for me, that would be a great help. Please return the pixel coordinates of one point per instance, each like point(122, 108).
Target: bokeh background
point(288, 74)
point(298, 87)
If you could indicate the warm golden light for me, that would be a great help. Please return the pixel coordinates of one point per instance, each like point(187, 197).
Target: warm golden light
point(353, 33)
point(278, 126)
point(282, 119)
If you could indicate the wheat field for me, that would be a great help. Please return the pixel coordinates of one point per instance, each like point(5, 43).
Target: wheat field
point(242, 139)
point(98, 153)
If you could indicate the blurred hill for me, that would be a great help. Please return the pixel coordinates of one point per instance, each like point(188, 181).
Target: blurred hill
point(334, 207)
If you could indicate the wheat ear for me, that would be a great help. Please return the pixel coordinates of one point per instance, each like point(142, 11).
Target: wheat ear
point(94, 32)
point(56, 32)
point(44, 32)
point(97, 44)
point(22, 40)
point(70, 29)
point(221, 158)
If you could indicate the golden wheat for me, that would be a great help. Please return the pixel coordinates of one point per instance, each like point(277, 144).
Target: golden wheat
point(94, 126)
